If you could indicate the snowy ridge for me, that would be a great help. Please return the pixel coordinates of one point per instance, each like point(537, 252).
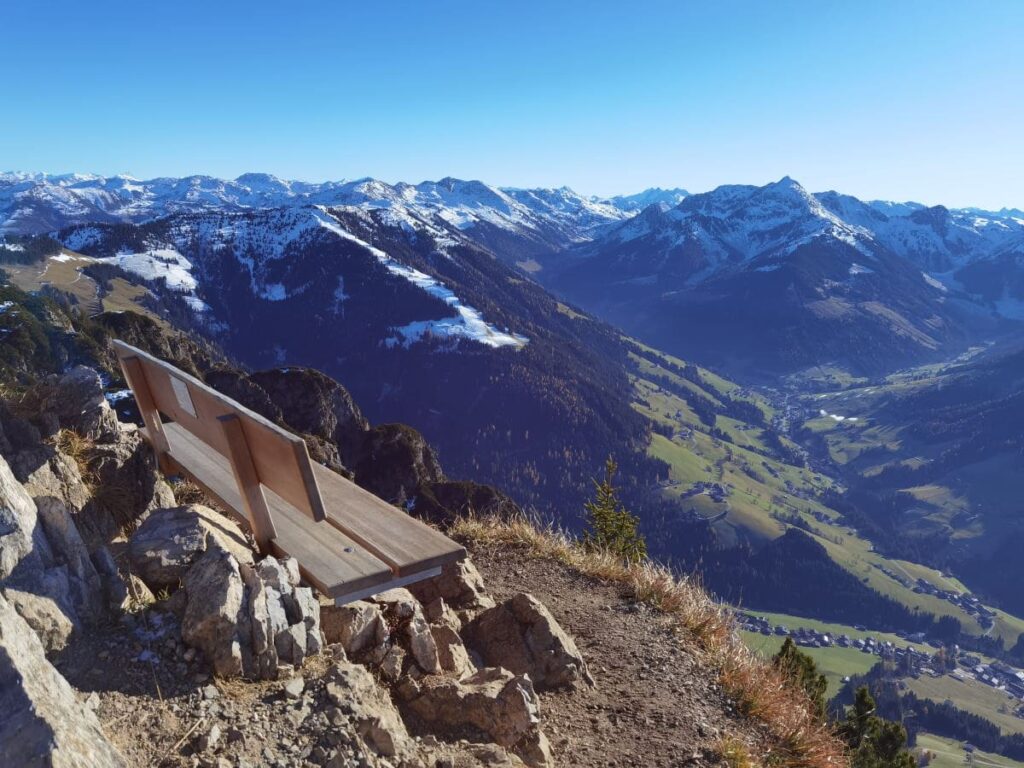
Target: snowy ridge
point(469, 324)
point(652, 196)
point(255, 241)
point(735, 225)
point(937, 238)
point(31, 203)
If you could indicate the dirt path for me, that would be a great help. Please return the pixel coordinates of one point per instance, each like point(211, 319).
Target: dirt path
point(655, 702)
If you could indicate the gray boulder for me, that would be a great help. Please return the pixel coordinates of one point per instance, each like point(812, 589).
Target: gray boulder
point(77, 400)
point(521, 635)
point(165, 546)
point(352, 688)
point(42, 723)
point(87, 589)
point(359, 627)
point(460, 585)
point(53, 585)
point(129, 485)
point(243, 624)
point(494, 703)
point(215, 598)
point(23, 545)
point(51, 617)
point(403, 611)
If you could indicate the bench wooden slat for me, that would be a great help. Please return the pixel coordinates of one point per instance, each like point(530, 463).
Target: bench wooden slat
point(280, 458)
point(330, 560)
point(403, 542)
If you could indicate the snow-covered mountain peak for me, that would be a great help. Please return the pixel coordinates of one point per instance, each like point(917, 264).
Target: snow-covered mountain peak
point(650, 196)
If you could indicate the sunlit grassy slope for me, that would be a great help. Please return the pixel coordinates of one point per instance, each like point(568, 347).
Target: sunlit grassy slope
point(65, 275)
point(972, 696)
point(949, 753)
point(765, 492)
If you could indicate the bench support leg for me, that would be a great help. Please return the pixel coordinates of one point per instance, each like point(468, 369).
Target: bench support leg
point(136, 377)
point(248, 482)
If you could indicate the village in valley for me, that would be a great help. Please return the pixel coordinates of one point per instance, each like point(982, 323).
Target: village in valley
point(914, 659)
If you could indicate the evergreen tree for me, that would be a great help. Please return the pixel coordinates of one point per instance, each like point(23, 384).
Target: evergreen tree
point(801, 669)
point(610, 526)
point(874, 742)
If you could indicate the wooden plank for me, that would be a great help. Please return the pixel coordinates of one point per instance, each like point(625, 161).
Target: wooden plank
point(398, 581)
point(135, 375)
point(281, 459)
point(406, 544)
point(331, 561)
point(248, 481)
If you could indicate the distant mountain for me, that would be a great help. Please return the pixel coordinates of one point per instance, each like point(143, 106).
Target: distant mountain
point(652, 196)
point(525, 220)
point(937, 239)
point(761, 280)
point(775, 278)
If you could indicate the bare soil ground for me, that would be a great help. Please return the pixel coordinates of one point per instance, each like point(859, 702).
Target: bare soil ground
point(656, 700)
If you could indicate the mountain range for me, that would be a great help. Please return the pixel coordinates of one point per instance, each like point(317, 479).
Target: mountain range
point(455, 280)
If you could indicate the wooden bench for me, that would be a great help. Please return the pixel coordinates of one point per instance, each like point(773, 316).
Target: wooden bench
point(348, 543)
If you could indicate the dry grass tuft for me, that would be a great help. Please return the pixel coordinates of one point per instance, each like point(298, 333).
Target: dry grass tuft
point(760, 691)
point(186, 492)
point(79, 449)
point(734, 753)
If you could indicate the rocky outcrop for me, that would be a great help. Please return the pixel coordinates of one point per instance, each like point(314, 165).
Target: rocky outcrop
point(41, 720)
point(214, 610)
point(23, 545)
point(169, 541)
point(76, 401)
point(46, 571)
point(249, 620)
point(522, 636)
point(494, 704)
point(461, 587)
point(111, 480)
point(394, 461)
point(128, 485)
point(359, 627)
point(355, 695)
point(405, 615)
point(316, 404)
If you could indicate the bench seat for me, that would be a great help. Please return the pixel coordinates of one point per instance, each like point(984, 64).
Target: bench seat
point(385, 548)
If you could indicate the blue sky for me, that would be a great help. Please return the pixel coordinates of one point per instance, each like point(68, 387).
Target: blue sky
point(897, 100)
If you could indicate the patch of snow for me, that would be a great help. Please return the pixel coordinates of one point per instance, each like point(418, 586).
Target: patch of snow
point(836, 416)
point(121, 394)
point(468, 324)
point(157, 264)
point(858, 269)
point(274, 292)
point(933, 282)
point(64, 256)
point(5, 305)
point(340, 297)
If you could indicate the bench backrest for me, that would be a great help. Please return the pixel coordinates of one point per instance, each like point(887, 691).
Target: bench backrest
point(280, 459)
